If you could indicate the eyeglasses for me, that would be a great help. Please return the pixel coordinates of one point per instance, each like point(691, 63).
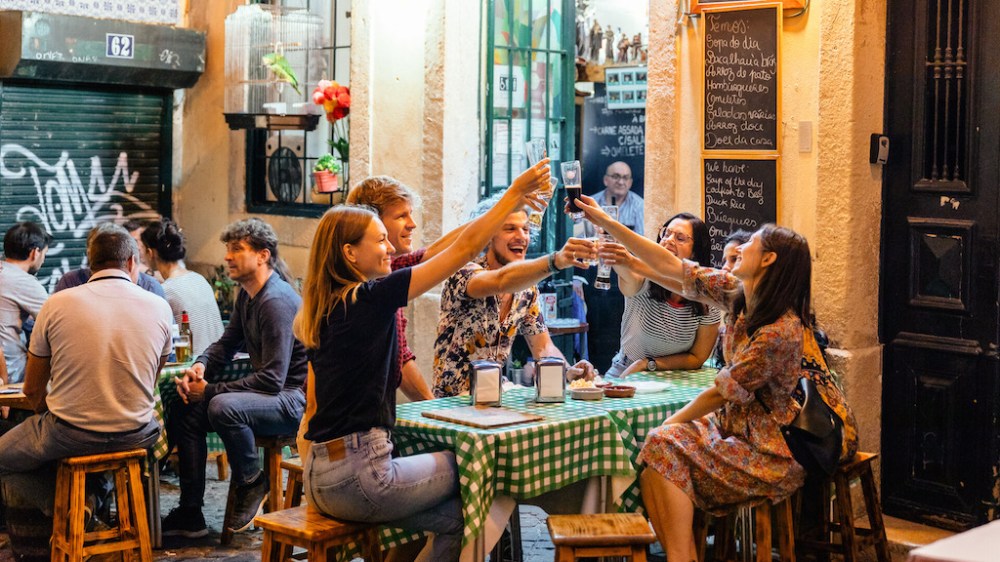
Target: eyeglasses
point(619, 177)
point(679, 236)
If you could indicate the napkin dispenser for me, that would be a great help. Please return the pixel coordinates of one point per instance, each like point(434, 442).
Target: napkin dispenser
point(485, 382)
point(550, 380)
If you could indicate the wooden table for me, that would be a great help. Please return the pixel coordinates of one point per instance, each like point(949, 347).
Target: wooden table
point(16, 399)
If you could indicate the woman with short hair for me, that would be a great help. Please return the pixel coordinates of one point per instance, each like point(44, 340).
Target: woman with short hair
point(185, 290)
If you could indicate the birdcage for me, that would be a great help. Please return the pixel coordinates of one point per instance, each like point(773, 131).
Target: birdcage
point(270, 65)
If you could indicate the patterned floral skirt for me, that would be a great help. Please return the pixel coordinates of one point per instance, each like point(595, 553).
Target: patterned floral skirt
point(717, 472)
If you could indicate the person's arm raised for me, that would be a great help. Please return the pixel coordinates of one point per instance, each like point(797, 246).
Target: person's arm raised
point(478, 232)
point(657, 257)
point(518, 276)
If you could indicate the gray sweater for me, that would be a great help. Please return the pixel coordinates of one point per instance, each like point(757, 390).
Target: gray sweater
point(261, 326)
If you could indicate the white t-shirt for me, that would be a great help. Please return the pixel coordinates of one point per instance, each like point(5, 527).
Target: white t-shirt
point(21, 296)
point(191, 292)
point(104, 340)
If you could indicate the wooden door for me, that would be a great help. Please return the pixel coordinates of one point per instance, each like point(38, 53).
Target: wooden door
point(939, 288)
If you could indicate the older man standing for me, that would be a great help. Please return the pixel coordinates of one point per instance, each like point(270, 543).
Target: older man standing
point(21, 294)
point(93, 360)
point(618, 191)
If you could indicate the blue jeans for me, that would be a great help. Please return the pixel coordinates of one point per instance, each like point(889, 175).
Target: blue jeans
point(356, 478)
point(236, 417)
point(28, 453)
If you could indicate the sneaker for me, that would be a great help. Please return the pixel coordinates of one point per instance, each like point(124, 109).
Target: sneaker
point(184, 522)
point(249, 501)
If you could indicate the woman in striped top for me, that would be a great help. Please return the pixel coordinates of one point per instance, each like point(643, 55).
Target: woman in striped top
point(185, 290)
point(660, 329)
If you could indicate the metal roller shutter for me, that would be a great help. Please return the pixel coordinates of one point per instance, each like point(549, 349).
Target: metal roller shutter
point(71, 158)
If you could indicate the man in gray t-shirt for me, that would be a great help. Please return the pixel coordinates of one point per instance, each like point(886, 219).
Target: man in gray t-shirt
point(21, 294)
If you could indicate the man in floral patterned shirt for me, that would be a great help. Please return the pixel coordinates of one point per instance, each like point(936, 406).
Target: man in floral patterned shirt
point(489, 301)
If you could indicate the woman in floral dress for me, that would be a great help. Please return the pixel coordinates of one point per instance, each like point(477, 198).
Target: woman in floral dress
point(724, 448)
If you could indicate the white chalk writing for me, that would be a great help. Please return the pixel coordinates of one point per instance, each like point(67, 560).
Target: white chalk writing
point(65, 206)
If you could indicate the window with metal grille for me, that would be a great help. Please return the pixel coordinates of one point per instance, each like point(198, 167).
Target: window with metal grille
point(529, 95)
point(943, 112)
point(279, 162)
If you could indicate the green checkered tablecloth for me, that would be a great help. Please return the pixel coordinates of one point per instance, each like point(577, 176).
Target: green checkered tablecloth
point(635, 417)
point(165, 394)
point(574, 442)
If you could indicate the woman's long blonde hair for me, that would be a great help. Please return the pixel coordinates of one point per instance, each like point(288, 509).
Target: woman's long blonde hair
point(331, 278)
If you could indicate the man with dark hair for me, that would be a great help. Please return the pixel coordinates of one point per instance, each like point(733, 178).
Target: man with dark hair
point(78, 277)
point(21, 294)
point(93, 362)
point(269, 401)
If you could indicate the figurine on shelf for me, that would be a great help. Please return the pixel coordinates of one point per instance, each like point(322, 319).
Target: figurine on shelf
point(609, 46)
point(636, 47)
point(596, 38)
point(623, 45)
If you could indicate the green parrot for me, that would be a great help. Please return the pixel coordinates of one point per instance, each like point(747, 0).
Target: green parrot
point(278, 64)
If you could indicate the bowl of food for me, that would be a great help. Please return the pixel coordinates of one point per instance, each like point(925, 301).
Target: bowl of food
point(618, 391)
point(586, 393)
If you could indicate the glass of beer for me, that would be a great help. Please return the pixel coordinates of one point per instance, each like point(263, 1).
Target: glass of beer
point(535, 149)
point(573, 180)
point(603, 280)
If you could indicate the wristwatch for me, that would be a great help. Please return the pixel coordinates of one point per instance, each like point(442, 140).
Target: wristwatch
point(650, 364)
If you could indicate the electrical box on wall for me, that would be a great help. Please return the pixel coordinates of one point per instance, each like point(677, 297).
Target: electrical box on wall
point(879, 149)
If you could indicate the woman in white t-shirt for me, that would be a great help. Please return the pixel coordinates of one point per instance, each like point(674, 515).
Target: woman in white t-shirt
point(185, 290)
point(660, 329)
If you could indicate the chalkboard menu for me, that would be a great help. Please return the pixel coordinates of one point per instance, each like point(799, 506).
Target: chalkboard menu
point(741, 110)
point(739, 194)
point(609, 136)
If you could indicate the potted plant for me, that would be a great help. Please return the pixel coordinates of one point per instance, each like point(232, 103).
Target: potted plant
point(325, 174)
point(335, 102)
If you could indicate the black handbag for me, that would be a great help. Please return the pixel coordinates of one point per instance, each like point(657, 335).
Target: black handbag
point(816, 435)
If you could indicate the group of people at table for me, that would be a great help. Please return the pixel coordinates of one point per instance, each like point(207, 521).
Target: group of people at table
point(327, 364)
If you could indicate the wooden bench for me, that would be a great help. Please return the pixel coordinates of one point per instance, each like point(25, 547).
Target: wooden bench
point(307, 528)
point(726, 531)
point(841, 521)
point(604, 534)
point(70, 541)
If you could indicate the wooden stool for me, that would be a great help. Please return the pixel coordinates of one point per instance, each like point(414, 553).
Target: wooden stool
point(293, 486)
point(725, 532)
point(70, 539)
point(603, 534)
point(273, 447)
point(852, 539)
point(305, 527)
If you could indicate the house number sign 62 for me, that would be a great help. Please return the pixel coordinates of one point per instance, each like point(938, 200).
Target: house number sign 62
point(119, 46)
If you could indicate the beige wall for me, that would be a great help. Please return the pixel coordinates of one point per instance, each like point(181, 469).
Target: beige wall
point(832, 77)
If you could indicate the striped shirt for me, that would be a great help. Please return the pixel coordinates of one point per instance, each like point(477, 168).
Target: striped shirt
point(651, 328)
point(191, 292)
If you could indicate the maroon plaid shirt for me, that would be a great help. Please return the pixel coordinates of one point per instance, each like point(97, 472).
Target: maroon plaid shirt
point(405, 353)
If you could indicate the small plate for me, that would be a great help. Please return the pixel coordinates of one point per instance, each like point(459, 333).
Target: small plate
point(619, 391)
point(586, 393)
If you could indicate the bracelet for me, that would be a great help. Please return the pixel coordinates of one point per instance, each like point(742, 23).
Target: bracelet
point(552, 263)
